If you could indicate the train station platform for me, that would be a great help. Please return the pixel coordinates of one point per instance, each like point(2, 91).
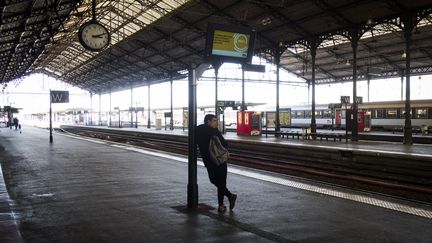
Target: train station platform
point(396, 148)
point(86, 190)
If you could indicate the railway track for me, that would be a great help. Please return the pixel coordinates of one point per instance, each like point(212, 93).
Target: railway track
point(397, 177)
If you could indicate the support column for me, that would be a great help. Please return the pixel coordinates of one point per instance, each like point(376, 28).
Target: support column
point(192, 187)
point(368, 88)
point(148, 107)
point(91, 108)
point(402, 79)
point(277, 61)
point(408, 26)
point(171, 110)
point(313, 120)
point(354, 45)
point(131, 108)
point(110, 108)
point(243, 90)
point(216, 66)
point(100, 110)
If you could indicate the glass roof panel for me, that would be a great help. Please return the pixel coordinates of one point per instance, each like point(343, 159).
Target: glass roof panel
point(122, 18)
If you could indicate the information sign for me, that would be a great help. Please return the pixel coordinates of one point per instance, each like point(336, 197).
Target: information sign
point(345, 99)
point(58, 96)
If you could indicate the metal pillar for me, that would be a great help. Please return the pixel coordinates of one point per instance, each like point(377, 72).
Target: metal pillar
point(313, 120)
point(148, 107)
point(216, 66)
point(91, 108)
point(131, 110)
point(171, 110)
point(110, 108)
point(277, 60)
point(402, 79)
point(192, 187)
point(100, 110)
point(50, 118)
point(408, 24)
point(243, 90)
point(368, 87)
point(354, 132)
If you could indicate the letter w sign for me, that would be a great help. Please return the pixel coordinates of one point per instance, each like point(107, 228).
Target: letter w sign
point(59, 96)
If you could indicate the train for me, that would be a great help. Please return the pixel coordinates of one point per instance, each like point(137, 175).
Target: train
point(382, 115)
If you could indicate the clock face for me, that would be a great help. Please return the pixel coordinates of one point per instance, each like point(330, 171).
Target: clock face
point(93, 36)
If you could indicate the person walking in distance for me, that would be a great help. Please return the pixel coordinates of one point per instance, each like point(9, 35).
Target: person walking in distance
point(16, 122)
point(216, 173)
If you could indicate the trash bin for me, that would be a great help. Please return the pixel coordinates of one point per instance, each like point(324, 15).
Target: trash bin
point(424, 129)
point(158, 124)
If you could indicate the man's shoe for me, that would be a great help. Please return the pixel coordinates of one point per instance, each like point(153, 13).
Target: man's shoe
point(221, 208)
point(232, 201)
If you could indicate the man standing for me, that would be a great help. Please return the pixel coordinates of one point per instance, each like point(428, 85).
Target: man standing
point(217, 173)
point(16, 122)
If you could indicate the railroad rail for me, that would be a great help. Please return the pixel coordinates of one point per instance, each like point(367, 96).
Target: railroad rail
point(404, 176)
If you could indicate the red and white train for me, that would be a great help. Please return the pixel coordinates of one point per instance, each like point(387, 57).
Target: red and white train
point(375, 115)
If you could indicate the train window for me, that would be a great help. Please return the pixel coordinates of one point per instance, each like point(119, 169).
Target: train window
point(299, 114)
point(391, 113)
point(421, 113)
point(318, 114)
point(308, 114)
point(379, 113)
point(402, 113)
point(373, 113)
point(327, 114)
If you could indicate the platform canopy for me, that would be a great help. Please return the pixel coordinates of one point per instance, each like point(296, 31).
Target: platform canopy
point(153, 41)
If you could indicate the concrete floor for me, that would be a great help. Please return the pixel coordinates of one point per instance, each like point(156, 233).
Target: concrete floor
point(75, 190)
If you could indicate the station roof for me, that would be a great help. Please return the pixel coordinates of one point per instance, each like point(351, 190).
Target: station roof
point(153, 40)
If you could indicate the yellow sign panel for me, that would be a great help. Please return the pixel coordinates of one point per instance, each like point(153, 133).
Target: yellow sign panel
point(230, 44)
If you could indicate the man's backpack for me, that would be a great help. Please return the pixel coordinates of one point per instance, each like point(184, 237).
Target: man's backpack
point(218, 153)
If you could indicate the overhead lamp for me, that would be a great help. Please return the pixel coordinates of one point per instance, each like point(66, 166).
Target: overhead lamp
point(370, 21)
point(347, 63)
point(403, 54)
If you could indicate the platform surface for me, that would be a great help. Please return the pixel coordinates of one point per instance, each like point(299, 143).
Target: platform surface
point(84, 190)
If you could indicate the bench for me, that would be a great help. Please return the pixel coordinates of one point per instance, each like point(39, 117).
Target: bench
point(333, 136)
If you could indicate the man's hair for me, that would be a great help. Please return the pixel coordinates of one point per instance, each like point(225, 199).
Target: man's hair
point(208, 118)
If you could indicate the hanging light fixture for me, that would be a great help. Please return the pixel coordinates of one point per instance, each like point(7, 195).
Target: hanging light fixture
point(403, 54)
point(370, 21)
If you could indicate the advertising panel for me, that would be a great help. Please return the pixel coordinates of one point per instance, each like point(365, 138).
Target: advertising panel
point(230, 44)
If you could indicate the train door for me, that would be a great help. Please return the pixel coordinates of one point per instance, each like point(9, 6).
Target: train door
point(367, 122)
point(360, 121)
point(248, 123)
point(338, 118)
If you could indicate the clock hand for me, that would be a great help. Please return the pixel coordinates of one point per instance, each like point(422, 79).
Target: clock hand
point(99, 35)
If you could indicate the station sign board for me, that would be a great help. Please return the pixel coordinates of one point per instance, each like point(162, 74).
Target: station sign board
point(359, 99)
point(225, 103)
point(59, 96)
point(345, 99)
point(335, 106)
point(254, 68)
